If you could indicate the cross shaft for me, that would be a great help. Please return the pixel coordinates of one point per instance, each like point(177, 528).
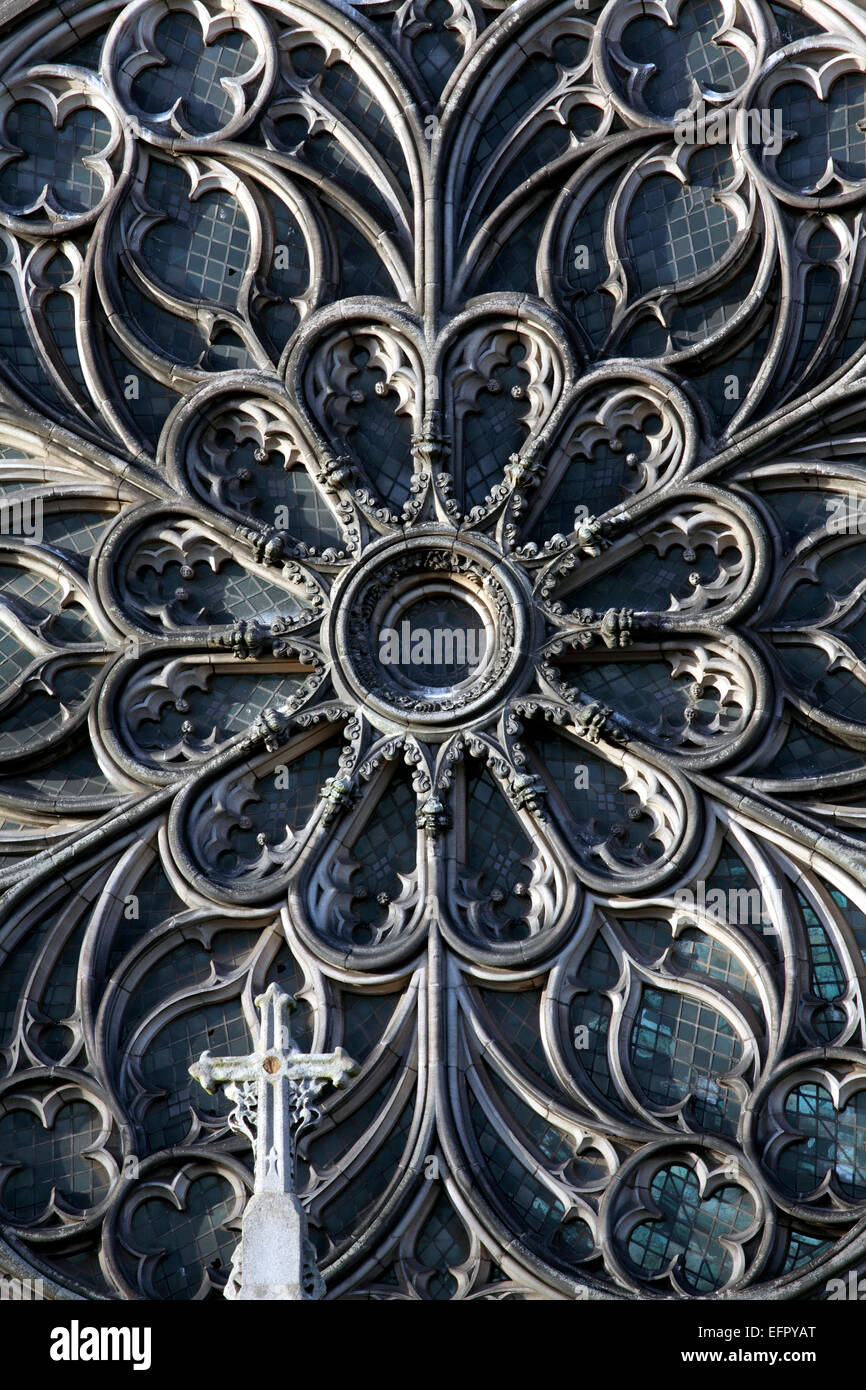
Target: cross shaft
point(273, 1089)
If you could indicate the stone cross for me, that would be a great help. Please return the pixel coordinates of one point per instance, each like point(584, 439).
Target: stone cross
point(273, 1090)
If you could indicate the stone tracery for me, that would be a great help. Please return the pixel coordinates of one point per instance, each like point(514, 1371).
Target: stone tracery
point(289, 287)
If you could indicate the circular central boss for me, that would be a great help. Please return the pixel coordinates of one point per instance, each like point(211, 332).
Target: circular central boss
point(429, 631)
point(435, 642)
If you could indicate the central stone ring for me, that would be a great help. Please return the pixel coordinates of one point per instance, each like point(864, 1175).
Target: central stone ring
point(429, 631)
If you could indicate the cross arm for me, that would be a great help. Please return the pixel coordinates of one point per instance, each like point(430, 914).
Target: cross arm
point(334, 1066)
point(211, 1072)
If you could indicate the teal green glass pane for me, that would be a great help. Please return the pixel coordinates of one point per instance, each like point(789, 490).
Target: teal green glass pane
point(73, 774)
point(680, 1047)
point(802, 1248)
point(690, 1231)
point(833, 1141)
point(593, 482)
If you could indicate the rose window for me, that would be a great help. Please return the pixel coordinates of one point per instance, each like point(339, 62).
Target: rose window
point(432, 515)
